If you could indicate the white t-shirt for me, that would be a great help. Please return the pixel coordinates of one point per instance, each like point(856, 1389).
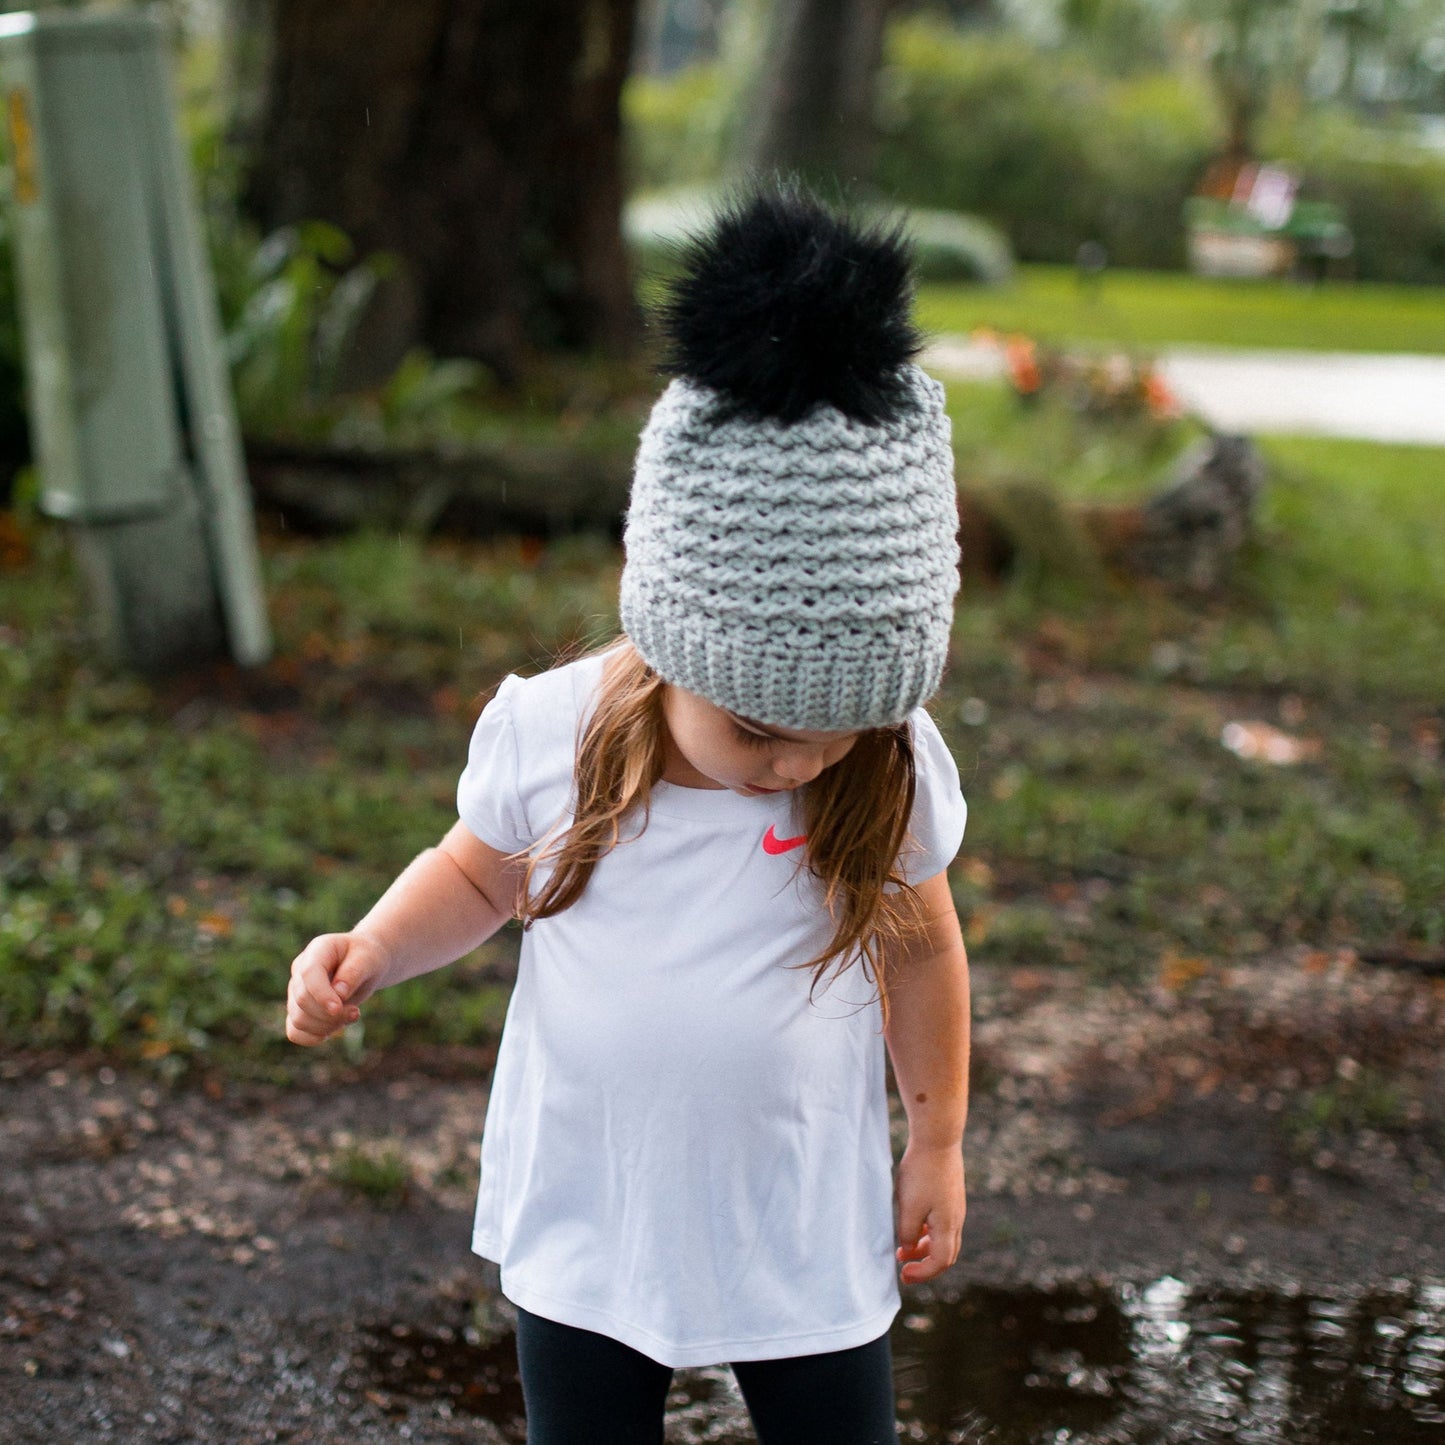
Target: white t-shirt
point(682, 1151)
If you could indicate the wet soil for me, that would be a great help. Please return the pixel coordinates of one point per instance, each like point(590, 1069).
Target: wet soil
point(246, 1263)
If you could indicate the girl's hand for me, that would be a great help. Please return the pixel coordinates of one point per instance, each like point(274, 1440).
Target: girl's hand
point(931, 1207)
point(329, 978)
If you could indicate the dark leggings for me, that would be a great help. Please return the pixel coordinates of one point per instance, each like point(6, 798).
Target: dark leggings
point(583, 1388)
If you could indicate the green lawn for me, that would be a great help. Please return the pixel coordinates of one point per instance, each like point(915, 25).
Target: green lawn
point(167, 847)
point(1152, 309)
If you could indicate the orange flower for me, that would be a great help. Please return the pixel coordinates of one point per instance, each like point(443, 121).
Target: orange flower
point(1021, 358)
point(1159, 396)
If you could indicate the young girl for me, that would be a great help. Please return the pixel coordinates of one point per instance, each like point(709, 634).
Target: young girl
point(726, 834)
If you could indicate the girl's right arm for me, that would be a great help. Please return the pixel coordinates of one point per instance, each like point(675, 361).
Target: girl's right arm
point(446, 902)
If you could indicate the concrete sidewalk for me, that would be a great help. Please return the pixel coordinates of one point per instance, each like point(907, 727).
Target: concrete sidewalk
point(1384, 398)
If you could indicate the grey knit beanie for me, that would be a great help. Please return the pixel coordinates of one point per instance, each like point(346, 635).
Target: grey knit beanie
point(791, 537)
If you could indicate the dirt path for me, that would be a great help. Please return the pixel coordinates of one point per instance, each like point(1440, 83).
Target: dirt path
point(182, 1266)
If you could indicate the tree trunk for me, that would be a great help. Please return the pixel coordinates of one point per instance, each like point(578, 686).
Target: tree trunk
point(477, 140)
point(1241, 110)
point(812, 111)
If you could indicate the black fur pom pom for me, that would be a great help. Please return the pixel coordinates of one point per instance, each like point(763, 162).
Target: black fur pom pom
point(782, 305)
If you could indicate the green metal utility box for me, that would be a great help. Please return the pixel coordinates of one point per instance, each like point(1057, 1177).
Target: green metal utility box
point(129, 395)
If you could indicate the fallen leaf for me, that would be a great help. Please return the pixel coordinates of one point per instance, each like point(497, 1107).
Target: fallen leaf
point(1176, 972)
point(215, 925)
point(1030, 980)
point(977, 872)
point(976, 929)
point(1264, 743)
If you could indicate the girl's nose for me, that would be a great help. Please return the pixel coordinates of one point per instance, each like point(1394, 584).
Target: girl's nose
point(799, 765)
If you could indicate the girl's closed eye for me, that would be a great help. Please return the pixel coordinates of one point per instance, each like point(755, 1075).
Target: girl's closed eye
point(750, 739)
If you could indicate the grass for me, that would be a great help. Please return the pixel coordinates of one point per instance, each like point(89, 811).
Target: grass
point(379, 1173)
point(1367, 1099)
point(1113, 829)
point(1345, 591)
point(166, 848)
point(1149, 309)
point(1354, 578)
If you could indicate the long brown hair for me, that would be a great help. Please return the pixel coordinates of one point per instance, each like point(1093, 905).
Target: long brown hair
point(855, 815)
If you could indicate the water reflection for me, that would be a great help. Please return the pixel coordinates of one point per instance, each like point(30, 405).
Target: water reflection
point(1162, 1363)
point(1166, 1363)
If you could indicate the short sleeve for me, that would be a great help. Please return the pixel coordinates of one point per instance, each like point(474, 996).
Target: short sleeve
point(489, 798)
point(939, 809)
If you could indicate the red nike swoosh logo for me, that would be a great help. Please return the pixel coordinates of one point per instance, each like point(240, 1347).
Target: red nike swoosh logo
point(774, 844)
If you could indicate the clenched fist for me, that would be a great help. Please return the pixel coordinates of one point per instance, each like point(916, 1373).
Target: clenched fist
point(329, 978)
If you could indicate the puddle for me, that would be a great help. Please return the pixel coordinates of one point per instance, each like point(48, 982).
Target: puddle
point(1164, 1363)
point(1159, 1364)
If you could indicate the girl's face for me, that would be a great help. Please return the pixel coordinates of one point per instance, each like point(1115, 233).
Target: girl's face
point(709, 747)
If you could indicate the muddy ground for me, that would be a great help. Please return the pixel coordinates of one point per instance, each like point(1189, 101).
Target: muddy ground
point(228, 1263)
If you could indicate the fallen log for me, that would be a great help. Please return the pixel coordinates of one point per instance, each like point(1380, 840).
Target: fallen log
point(544, 491)
point(1186, 536)
point(1414, 958)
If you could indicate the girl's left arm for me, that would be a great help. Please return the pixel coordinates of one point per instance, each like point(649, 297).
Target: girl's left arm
point(927, 1039)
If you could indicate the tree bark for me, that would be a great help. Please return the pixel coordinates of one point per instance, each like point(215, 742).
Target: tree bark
point(813, 108)
point(476, 140)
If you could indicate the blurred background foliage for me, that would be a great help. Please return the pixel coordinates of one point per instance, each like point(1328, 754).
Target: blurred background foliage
point(1010, 128)
point(1098, 124)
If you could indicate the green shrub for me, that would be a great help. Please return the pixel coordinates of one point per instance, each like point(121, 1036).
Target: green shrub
point(1040, 144)
point(989, 134)
point(1147, 151)
point(1391, 191)
point(1054, 151)
point(291, 304)
point(677, 128)
point(949, 246)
